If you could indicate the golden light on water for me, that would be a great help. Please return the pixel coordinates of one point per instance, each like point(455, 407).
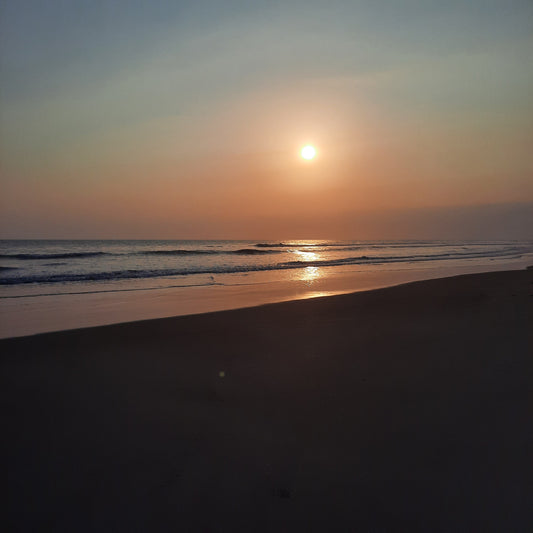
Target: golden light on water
point(306, 256)
point(308, 152)
point(311, 274)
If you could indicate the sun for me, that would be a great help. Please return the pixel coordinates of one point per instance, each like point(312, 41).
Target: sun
point(308, 152)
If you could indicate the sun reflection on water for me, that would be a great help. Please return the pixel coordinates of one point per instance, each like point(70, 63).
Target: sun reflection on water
point(306, 256)
point(310, 274)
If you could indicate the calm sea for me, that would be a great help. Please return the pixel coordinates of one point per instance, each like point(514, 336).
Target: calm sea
point(59, 267)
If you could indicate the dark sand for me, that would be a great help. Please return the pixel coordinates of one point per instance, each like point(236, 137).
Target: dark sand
point(400, 409)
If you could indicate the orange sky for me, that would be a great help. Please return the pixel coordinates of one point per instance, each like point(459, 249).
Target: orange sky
point(207, 146)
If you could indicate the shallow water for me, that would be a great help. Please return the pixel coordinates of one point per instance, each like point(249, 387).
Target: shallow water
point(57, 267)
point(82, 289)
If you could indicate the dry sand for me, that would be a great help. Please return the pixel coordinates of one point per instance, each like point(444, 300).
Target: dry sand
point(399, 409)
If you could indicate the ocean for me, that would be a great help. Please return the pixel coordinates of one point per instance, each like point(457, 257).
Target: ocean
point(56, 285)
point(54, 267)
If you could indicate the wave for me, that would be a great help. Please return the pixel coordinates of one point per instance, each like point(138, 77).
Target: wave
point(373, 245)
point(113, 275)
point(299, 244)
point(251, 251)
point(243, 251)
point(90, 276)
point(364, 259)
point(340, 245)
point(29, 257)
point(116, 275)
point(2, 268)
point(178, 252)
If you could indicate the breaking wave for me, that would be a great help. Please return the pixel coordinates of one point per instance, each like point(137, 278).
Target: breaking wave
point(113, 275)
point(70, 255)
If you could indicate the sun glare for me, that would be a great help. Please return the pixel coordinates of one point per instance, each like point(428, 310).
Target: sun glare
point(308, 152)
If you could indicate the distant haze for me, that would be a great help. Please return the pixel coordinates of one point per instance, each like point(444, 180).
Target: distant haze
point(170, 119)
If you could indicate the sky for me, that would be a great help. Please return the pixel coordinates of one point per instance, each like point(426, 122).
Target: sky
point(169, 119)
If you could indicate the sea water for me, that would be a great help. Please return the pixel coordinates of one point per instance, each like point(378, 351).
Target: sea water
point(56, 285)
point(53, 267)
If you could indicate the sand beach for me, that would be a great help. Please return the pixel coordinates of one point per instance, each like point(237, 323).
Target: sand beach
point(400, 409)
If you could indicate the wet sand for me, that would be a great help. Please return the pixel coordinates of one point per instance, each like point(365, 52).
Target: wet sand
point(400, 409)
point(30, 315)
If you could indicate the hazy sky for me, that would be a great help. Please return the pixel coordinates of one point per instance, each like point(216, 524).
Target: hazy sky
point(168, 119)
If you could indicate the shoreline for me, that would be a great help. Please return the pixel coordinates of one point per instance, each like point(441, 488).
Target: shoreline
point(31, 315)
point(405, 408)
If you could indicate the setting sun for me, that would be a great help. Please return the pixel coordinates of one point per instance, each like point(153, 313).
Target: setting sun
point(308, 152)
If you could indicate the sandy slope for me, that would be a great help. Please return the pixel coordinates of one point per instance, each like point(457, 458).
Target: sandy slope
point(400, 409)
